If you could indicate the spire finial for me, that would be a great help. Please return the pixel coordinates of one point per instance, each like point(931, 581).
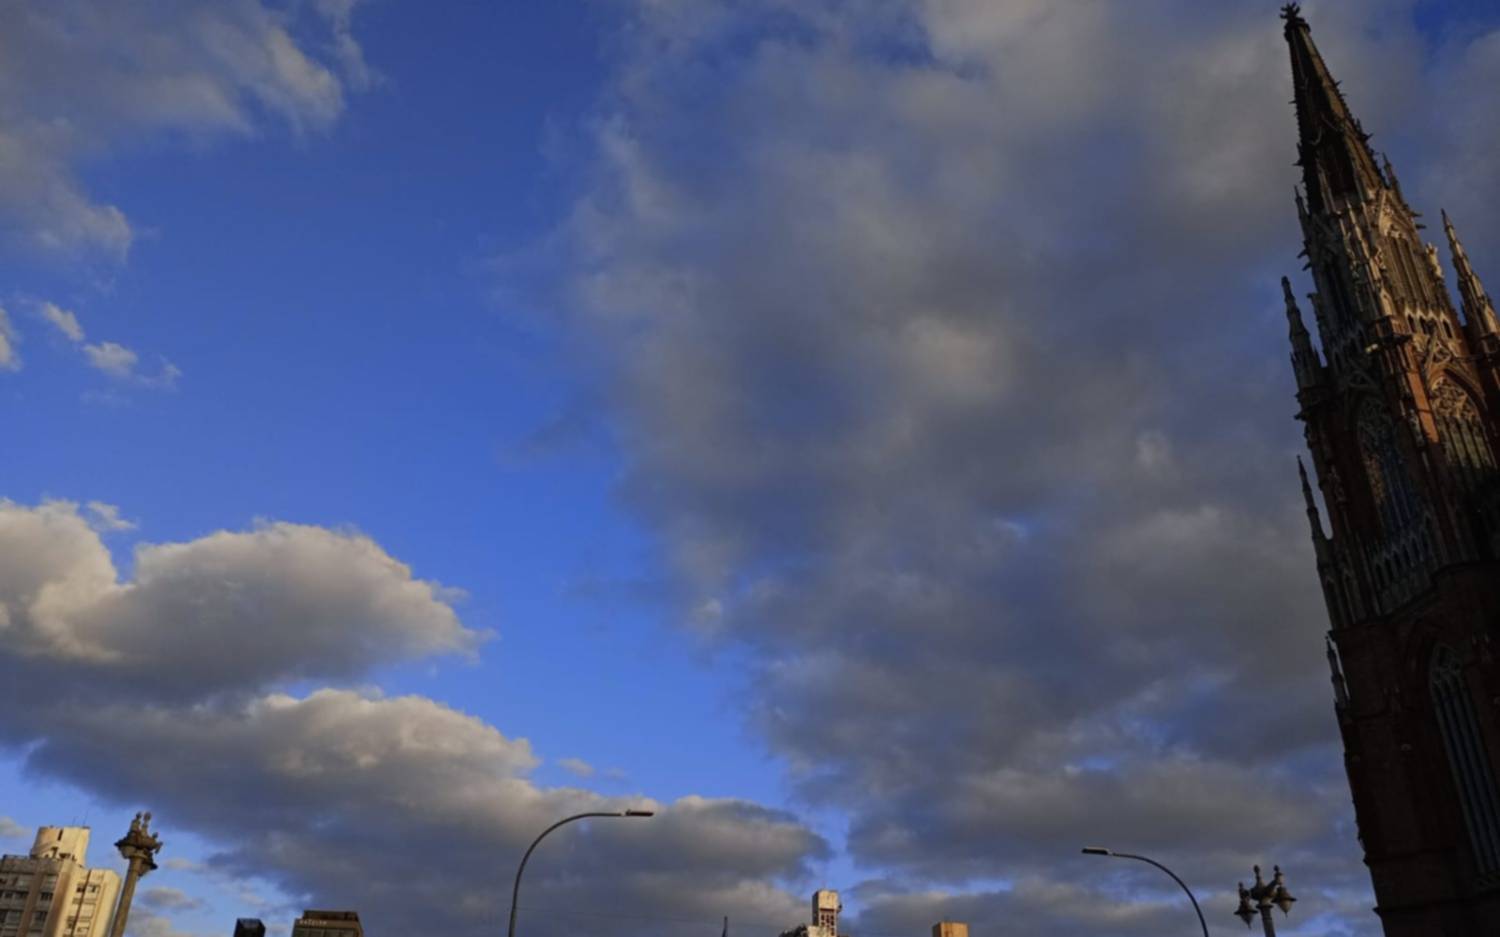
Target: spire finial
point(1291, 300)
point(1293, 314)
point(1305, 363)
point(1307, 496)
point(1479, 312)
point(1314, 519)
point(1334, 151)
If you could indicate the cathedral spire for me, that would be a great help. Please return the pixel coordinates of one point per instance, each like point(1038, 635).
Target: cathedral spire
point(1479, 312)
point(1304, 358)
point(1320, 539)
point(1333, 150)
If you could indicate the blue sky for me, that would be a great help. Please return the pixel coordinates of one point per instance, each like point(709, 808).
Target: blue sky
point(841, 422)
point(362, 367)
point(351, 358)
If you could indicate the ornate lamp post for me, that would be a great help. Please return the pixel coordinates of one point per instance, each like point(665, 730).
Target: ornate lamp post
point(1262, 897)
point(515, 892)
point(1101, 851)
point(139, 847)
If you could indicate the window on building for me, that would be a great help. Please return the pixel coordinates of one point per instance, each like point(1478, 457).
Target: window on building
point(1390, 483)
point(1462, 430)
point(1467, 758)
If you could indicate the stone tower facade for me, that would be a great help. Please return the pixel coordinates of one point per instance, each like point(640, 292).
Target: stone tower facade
point(51, 893)
point(1401, 407)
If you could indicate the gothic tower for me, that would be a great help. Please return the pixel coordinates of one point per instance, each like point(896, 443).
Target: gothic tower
point(1402, 415)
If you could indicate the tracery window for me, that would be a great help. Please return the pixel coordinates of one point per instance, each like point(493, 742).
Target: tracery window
point(1343, 309)
point(1390, 483)
point(1406, 271)
point(1462, 431)
point(1467, 759)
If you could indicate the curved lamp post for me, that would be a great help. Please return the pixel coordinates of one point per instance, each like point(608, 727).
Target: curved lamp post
point(515, 891)
point(1101, 851)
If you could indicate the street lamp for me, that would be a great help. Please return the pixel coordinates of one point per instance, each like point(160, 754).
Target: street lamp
point(1101, 851)
point(1265, 895)
point(515, 892)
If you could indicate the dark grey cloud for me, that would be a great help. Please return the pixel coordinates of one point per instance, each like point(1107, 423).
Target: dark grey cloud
point(402, 807)
point(949, 368)
point(169, 899)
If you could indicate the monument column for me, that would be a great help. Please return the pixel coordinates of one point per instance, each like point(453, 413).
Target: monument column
point(139, 847)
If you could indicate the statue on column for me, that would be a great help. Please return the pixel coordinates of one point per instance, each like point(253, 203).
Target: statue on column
point(139, 848)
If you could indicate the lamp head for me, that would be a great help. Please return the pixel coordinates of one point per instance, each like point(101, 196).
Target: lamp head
point(1095, 851)
point(1244, 912)
point(639, 813)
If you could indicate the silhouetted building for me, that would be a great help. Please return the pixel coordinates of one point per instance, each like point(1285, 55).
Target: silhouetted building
point(1402, 416)
point(328, 924)
point(249, 927)
point(50, 893)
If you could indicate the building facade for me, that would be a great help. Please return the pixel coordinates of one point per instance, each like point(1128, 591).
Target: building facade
point(51, 893)
point(1401, 408)
point(328, 924)
point(826, 907)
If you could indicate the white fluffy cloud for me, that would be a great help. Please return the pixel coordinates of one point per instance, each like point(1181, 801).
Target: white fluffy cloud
point(228, 612)
point(179, 702)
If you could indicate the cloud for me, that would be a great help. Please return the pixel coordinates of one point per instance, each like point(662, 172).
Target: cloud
point(106, 518)
point(201, 663)
point(169, 899)
point(10, 829)
point(942, 345)
point(576, 766)
point(122, 363)
point(146, 922)
point(229, 612)
point(183, 865)
point(62, 320)
point(9, 360)
point(81, 77)
point(113, 359)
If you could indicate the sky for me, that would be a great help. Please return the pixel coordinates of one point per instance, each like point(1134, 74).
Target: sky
point(859, 431)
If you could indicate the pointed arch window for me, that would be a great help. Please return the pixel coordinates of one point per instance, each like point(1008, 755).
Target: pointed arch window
point(1467, 758)
point(1338, 293)
point(1390, 483)
point(1462, 430)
